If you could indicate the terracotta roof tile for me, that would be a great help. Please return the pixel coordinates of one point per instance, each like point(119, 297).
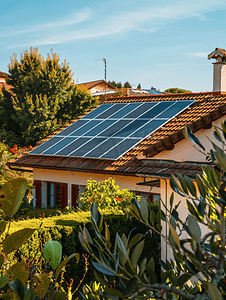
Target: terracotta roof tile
point(201, 114)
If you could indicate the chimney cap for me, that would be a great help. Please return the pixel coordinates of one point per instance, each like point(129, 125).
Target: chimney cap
point(218, 52)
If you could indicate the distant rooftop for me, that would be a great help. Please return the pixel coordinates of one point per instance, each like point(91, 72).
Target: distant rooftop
point(154, 92)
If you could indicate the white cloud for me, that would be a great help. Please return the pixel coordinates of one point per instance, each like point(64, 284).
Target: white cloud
point(199, 54)
point(88, 24)
point(74, 19)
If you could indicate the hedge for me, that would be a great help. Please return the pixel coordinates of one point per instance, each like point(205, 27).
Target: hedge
point(65, 229)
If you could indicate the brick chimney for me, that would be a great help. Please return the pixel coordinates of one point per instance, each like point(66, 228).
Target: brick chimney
point(219, 71)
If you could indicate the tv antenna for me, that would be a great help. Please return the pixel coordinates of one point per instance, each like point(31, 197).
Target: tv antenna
point(105, 75)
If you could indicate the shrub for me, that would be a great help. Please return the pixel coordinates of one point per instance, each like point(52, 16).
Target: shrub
point(198, 271)
point(105, 194)
point(35, 276)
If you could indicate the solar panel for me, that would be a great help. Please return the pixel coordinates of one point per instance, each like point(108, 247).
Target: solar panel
point(111, 130)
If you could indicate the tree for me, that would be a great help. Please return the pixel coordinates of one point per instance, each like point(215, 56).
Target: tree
point(79, 101)
point(176, 91)
point(116, 84)
point(197, 256)
point(127, 85)
point(139, 86)
point(39, 88)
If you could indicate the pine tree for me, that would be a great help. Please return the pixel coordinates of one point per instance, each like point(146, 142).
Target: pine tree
point(127, 85)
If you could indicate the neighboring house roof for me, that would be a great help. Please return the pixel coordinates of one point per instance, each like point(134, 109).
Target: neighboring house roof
point(3, 84)
point(153, 92)
point(91, 84)
point(103, 93)
point(3, 75)
point(206, 108)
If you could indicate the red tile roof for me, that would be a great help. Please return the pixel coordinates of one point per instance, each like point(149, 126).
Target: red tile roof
point(92, 84)
point(3, 75)
point(206, 108)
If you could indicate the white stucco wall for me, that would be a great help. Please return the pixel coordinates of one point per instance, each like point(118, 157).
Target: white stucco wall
point(166, 191)
point(80, 178)
point(219, 77)
point(185, 152)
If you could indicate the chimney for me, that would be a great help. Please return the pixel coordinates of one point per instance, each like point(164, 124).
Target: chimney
point(219, 71)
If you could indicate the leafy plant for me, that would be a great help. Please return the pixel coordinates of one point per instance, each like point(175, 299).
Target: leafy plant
point(36, 277)
point(42, 97)
point(198, 269)
point(105, 194)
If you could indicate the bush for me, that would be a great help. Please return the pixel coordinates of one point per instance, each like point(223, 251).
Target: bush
point(198, 271)
point(65, 229)
point(105, 194)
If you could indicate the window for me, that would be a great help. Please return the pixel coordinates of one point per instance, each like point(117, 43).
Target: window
point(75, 191)
point(149, 196)
point(57, 194)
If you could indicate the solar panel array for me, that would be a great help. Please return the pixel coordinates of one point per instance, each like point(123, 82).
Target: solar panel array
point(112, 129)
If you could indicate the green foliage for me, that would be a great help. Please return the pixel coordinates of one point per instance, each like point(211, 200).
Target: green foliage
point(40, 89)
point(64, 227)
point(196, 256)
point(105, 194)
point(79, 102)
point(127, 85)
point(116, 84)
point(139, 86)
point(176, 91)
point(31, 278)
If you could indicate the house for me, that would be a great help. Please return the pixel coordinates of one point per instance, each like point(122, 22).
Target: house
point(3, 83)
point(136, 140)
point(98, 87)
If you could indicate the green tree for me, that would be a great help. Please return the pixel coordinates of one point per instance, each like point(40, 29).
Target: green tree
point(39, 89)
point(177, 91)
point(127, 85)
point(116, 84)
point(197, 256)
point(79, 101)
point(139, 86)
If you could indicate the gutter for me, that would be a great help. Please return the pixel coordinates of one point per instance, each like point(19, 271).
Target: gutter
point(20, 169)
point(158, 176)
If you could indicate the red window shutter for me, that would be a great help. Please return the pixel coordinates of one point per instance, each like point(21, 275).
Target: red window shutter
point(38, 194)
point(74, 195)
point(63, 192)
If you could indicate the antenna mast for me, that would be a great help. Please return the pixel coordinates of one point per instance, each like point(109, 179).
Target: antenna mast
point(105, 76)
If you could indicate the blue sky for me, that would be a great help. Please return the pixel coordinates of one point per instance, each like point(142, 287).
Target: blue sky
point(155, 43)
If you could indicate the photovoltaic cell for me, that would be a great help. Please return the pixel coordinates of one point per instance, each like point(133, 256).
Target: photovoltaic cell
point(146, 129)
point(58, 146)
point(155, 111)
point(140, 110)
point(114, 128)
point(104, 147)
point(99, 128)
point(130, 128)
point(72, 147)
point(111, 111)
point(94, 113)
point(46, 145)
point(173, 110)
point(111, 130)
point(87, 147)
point(121, 148)
point(73, 127)
point(125, 110)
point(81, 130)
